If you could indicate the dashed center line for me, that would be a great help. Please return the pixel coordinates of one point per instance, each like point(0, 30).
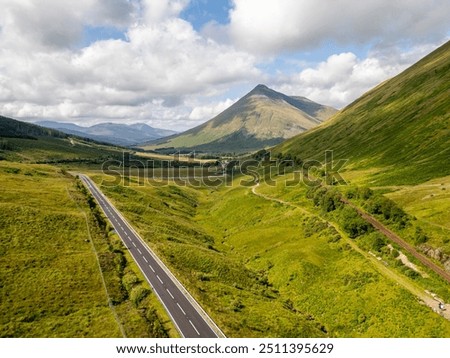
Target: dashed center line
point(194, 327)
point(130, 234)
point(182, 310)
point(169, 293)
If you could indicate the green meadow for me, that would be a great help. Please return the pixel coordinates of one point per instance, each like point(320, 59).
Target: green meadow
point(63, 273)
point(263, 268)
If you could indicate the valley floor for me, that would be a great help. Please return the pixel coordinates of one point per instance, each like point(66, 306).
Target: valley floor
point(264, 261)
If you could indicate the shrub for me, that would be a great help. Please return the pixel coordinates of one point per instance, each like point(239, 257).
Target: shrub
point(364, 193)
point(138, 293)
point(380, 205)
point(420, 237)
point(352, 223)
point(129, 280)
point(378, 243)
point(331, 201)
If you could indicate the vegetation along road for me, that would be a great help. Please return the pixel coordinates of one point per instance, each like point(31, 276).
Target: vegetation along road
point(189, 318)
point(399, 241)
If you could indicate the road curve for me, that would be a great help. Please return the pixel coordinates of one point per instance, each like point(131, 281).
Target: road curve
point(189, 318)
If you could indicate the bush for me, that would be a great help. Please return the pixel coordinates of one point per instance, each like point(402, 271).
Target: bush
point(420, 237)
point(409, 272)
point(364, 193)
point(380, 205)
point(378, 243)
point(352, 223)
point(331, 201)
point(138, 293)
point(129, 280)
point(5, 145)
point(328, 200)
point(156, 328)
point(351, 193)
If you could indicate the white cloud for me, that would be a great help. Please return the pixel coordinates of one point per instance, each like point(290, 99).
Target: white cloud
point(53, 24)
point(202, 113)
point(344, 77)
point(160, 10)
point(271, 26)
point(169, 74)
point(163, 62)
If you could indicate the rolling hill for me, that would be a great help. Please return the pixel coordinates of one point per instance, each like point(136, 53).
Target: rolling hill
point(26, 142)
point(400, 130)
point(261, 118)
point(118, 134)
point(12, 128)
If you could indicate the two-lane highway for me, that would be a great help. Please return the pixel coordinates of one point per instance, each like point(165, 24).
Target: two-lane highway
point(188, 316)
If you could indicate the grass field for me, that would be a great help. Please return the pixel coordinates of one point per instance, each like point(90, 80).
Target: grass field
point(51, 251)
point(51, 285)
point(49, 149)
point(262, 268)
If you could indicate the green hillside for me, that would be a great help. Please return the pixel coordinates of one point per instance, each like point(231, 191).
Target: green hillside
point(16, 129)
point(401, 127)
point(260, 119)
point(25, 142)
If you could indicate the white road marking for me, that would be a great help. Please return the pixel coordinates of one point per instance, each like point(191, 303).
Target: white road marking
point(113, 215)
point(169, 293)
point(194, 327)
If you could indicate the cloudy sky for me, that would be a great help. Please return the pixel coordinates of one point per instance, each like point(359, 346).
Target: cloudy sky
point(177, 63)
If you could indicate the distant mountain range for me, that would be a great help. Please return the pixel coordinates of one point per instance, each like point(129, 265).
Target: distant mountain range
point(118, 134)
point(400, 130)
point(260, 119)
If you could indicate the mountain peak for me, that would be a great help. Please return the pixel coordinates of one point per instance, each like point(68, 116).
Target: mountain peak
point(263, 117)
point(261, 90)
point(261, 87)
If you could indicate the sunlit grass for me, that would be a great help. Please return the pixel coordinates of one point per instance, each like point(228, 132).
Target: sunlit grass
point(262, 268)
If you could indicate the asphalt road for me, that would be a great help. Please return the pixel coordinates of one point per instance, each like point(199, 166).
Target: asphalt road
point(191, 321)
